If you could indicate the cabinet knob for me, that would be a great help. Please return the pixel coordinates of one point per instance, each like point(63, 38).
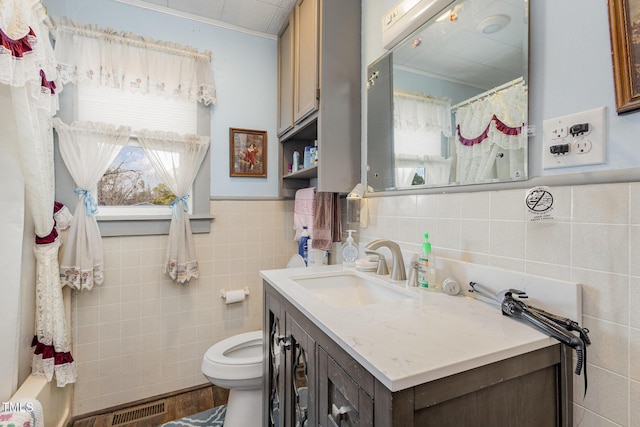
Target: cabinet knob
point(284, 342)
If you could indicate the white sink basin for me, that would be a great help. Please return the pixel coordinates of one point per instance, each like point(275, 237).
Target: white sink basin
point(350, 289)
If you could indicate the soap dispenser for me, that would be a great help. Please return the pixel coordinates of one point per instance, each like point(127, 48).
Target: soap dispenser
point(349, 250)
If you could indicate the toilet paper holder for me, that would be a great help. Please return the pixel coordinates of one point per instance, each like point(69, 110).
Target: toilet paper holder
point(223, 293)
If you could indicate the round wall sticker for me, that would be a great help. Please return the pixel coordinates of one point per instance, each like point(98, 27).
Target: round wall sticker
point(539, 201)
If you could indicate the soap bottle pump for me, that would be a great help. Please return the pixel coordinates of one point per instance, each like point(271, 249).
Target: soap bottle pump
point(424, 262)
point(349, 250)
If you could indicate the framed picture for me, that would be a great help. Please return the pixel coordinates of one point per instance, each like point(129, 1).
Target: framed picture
point(248, 153)
point(625, 49)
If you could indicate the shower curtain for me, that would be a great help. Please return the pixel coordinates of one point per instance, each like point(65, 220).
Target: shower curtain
point(490, 137)
point(28, 67)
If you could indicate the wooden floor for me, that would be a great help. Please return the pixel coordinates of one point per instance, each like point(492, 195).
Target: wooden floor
point(158, 410)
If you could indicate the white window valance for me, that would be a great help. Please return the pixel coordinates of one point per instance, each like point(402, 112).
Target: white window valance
point(125, 61)
point(422, 113)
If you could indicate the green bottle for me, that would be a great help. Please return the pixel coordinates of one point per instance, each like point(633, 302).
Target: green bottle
point(423, 263)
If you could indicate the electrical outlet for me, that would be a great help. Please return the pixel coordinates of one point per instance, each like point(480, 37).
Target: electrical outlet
point(559, 132)
point(574, 140)
point(582, 146)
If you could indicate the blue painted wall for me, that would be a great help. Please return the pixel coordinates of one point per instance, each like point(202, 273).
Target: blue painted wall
point(570, 71)
point(245, 72)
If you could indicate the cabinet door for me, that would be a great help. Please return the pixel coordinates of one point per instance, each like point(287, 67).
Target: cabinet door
point(341, 402)
point(285, 77)
point(274, 387)
point(306, 59)
point(302, 385)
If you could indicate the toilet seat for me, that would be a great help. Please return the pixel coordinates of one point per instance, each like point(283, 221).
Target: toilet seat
point(238, 357)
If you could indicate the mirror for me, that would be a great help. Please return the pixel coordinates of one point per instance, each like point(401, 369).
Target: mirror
point(448, 104)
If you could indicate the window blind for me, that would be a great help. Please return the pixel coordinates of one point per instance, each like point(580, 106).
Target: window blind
point(117, 107)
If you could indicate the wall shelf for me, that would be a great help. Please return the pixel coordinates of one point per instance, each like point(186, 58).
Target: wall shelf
point(306, 173)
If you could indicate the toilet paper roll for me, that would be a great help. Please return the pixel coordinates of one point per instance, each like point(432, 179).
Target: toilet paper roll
point(234, 296)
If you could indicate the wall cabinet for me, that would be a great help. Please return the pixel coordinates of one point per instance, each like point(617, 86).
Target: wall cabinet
point(319, 94)
point(311, 381)
point(306, 59)
point(285, 76)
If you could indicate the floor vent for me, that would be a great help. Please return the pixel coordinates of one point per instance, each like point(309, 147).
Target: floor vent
point(138, 413)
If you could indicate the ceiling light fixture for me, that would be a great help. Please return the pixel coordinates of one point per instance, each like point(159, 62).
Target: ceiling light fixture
point(493, 24)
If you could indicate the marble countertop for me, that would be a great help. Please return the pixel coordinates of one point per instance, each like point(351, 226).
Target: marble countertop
point(414, 340)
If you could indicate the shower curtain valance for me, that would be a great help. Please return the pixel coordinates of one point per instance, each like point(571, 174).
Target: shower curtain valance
point(491, 137)
point(128, 62)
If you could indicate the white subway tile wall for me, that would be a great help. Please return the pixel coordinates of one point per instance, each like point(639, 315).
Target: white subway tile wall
point(141, 335)
point(594, 240)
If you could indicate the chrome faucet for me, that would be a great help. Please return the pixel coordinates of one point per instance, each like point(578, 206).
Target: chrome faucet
point(397, 270)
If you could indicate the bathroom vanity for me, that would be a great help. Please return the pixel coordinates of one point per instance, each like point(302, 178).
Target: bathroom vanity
point(402, 357)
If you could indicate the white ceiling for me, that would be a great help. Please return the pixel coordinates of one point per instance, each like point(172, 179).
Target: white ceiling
point(264, 17)
point(459, 51)
point(489, 60)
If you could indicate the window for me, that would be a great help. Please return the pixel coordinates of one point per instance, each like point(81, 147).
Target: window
point(131, 186)
point(160, 86)
point(88, 102)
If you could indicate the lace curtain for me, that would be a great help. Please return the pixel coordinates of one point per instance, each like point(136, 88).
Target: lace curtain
point(87, 149)
point(28, 67)
point(419, 121)
point(421, 113)
point(490, 137)
point(177, 158)
point(105, 57)
point(52, 342)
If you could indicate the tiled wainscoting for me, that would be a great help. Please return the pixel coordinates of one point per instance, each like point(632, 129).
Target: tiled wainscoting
point(141, 335)
point(594, 240)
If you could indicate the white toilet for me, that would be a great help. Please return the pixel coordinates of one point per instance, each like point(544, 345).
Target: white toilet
point(235, 363)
